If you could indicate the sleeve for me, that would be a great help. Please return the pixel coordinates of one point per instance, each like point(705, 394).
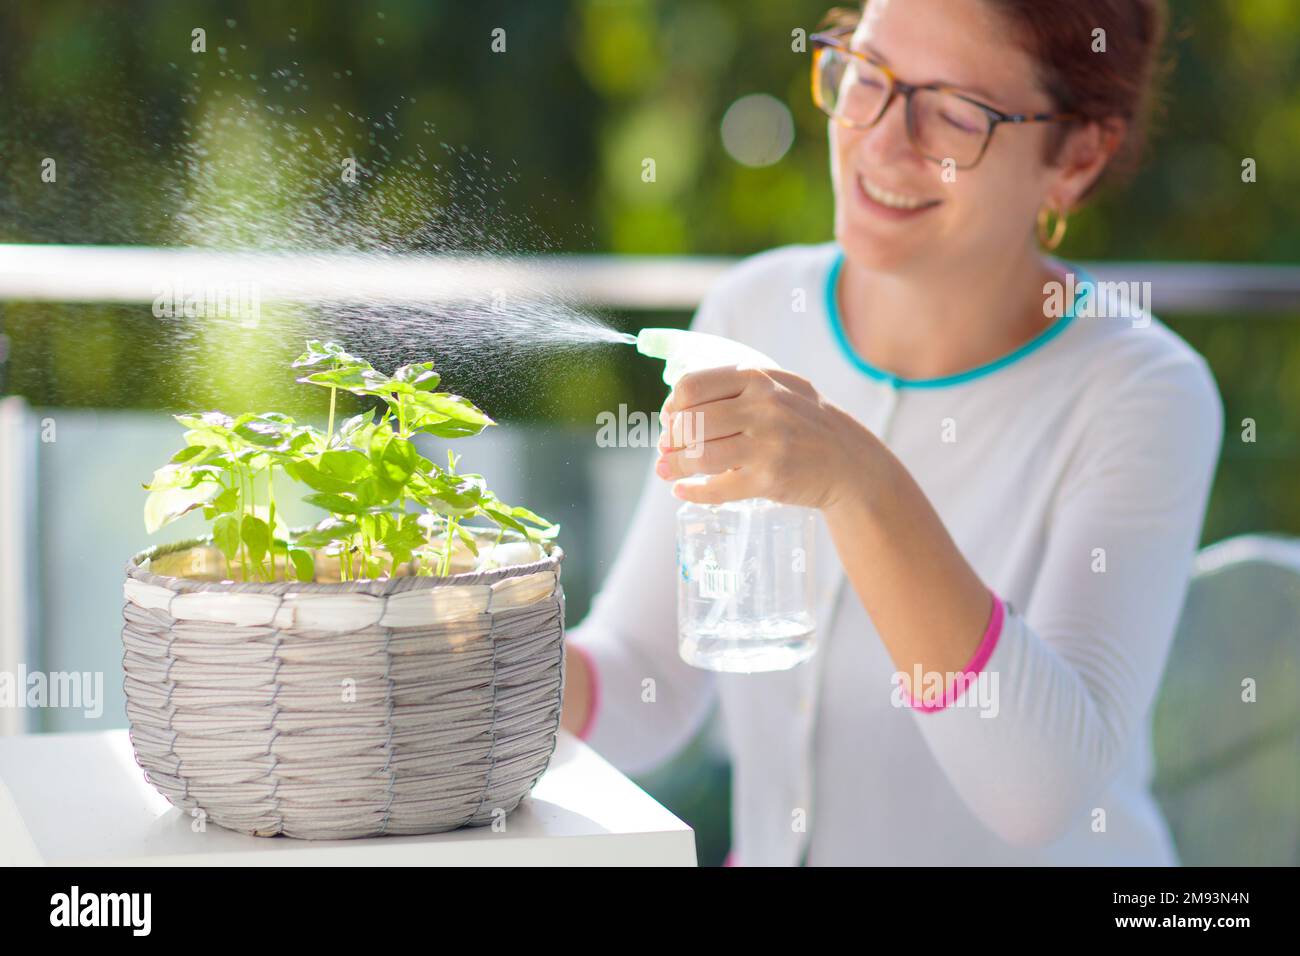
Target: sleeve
point(647, 702)
point(1075, 673)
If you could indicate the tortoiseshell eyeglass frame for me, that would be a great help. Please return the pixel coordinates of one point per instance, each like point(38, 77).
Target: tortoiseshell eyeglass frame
point(838, 40)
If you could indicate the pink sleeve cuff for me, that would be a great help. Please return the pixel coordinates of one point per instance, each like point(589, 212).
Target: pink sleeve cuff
point(968, 674)
point(594, 682)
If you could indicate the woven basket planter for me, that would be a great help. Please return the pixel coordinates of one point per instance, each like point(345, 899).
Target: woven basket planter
point(338, 710)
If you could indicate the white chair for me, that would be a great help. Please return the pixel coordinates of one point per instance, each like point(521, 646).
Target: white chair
point(1228, 770)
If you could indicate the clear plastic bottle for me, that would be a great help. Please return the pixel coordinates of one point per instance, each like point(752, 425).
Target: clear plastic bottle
point(745, 586)
point(744, 568)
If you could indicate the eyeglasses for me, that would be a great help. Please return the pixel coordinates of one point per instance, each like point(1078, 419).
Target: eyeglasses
point(943, 124)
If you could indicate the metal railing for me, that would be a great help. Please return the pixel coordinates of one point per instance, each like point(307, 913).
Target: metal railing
point(135, 274)
point(17, 492)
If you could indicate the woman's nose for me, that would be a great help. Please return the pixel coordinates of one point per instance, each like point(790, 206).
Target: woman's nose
point(887, 141)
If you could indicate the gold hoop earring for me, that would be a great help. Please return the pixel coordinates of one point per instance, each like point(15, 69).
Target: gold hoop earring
point(1050, 242)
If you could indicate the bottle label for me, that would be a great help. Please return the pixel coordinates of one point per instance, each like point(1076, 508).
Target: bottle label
point(715, 581)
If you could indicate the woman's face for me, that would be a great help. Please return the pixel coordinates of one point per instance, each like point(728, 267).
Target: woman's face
point(984, 212)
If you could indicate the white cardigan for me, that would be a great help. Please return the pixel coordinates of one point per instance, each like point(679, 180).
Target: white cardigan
point(1073, 474)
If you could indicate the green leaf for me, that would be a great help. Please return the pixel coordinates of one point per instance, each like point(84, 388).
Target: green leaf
point(336, 504)
point(327, 353)
point(165, 505)
point(304, 567)
point(446, 429)
point(397, 460)
point(467, 538)
point(189, 453)
point(263, 431)
point(443, 494)
point(218, 422)
point(208, 438)
point(327, 532)
point(444, 415)
point(198, 473)
point(256, 536)
point(375, 491)
point(402, 537)
point(170, 476)
point(351, 378)
point(305, 440)
point(354, 424)
point(225, 535)
point(313, 477)
point(384, 486)
point(315, 355)
point(419, 377)
point(223, 503)
point(525, 515)
point(347, 465)
point(252, 457)
point(505, 519)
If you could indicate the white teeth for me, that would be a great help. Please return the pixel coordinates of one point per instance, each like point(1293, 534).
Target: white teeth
point(892, 200)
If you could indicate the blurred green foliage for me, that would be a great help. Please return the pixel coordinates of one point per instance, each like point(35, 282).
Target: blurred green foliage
point(540, 148)
point(537, 148)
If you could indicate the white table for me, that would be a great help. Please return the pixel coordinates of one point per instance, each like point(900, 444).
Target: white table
point(80, 799)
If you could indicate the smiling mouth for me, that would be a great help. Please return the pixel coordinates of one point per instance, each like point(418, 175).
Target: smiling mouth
point(893, 200)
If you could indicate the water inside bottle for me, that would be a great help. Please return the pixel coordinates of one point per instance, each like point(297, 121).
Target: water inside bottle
point(745, 586)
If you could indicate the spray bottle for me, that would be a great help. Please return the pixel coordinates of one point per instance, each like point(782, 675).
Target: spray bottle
point(744, 568)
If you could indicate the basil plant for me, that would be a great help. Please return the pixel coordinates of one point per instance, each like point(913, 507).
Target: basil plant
point(388, 506)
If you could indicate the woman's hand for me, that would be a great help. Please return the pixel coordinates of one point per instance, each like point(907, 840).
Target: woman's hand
point(766, 433)
point(760, 433)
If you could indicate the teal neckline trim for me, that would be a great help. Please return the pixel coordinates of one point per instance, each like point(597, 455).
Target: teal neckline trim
point(1085, 282)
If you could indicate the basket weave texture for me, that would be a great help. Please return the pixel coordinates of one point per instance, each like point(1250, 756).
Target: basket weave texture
point(339, 710)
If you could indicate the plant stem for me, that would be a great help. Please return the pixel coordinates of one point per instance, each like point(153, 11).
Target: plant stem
point(365, 547)
point(401, 433)
point(329, 432)
point(243, 546)
point(270, 495)
point(445, 566)
point(258, 571)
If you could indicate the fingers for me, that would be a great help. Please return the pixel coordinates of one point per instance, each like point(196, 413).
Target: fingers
point(706, 385)
point(715, 490)
point(796, 383)
point(719, 428)
point(717, 384)
point(703, 423)
point(707, 458)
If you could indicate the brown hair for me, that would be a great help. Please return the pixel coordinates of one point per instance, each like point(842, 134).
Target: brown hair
point(1122, 82)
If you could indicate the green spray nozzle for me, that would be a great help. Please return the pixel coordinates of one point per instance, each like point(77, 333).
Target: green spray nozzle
point(691, 351)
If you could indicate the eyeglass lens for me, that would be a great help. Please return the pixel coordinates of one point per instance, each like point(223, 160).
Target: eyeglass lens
point(941, 125)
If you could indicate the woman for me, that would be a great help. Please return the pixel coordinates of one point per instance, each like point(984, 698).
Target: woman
point(1014, 494)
